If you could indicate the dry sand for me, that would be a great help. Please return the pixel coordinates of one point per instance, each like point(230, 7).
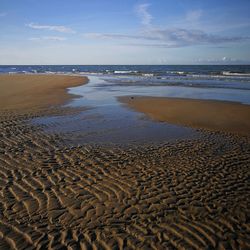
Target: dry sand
point(205, 114)
point(192, 194)
point(22, 92)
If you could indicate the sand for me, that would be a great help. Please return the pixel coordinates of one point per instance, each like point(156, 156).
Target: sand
point(190, 194)
point(22, 92)
point(203, 114)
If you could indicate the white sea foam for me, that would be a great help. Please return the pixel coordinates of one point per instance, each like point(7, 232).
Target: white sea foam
point(148, 74)
point(125, 71)
point(228, 73)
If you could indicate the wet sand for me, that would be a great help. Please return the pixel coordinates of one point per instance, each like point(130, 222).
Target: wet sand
point(191, 194)
point(202, 114)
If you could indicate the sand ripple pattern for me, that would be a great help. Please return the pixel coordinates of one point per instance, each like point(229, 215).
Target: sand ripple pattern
point(185, 195)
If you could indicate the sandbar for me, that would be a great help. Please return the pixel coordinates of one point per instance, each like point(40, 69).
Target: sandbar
point(23, 91)
point(202, 114)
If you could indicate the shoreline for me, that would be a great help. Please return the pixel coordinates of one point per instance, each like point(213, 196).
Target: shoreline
point(190, 194)
point(21, 92)
point(223, 116)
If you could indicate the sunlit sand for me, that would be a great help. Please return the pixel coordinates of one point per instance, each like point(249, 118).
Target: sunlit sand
point(188, 194)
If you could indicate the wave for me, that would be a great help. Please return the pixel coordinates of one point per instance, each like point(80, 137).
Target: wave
point(229, 73)
point(148, 74)
point(125, 72)
point(178, 72)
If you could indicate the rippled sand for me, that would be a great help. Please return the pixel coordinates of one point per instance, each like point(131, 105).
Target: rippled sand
point(192, 194)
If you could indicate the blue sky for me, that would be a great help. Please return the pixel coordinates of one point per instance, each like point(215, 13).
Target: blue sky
point(124, 32)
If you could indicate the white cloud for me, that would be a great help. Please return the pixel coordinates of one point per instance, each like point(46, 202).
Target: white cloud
point(194, 15)
point(223, 60)
point(144, 15)
point(48, 38)
point(112, 36)
point(170, 38)
point(62, 29)
point(3, 14)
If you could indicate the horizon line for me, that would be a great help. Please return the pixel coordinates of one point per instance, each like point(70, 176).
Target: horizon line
point(247, 64)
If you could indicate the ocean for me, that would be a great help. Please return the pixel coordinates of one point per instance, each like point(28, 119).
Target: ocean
point(209, 76)
point(157, 70)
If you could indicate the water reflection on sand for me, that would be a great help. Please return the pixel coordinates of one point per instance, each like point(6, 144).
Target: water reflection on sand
point(108, 121)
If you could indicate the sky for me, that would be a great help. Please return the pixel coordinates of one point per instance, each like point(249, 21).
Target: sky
point(96, 32)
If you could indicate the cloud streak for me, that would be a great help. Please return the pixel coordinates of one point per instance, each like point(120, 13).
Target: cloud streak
point(171, 38)
point(223, 60)
point(142, 12)
point(58, 28)
point(159, 37)
point(48, 38)
point(113, 36)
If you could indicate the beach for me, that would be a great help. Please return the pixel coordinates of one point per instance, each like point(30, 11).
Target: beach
point(183, 194)
point(201, 114)
point(23, 92)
